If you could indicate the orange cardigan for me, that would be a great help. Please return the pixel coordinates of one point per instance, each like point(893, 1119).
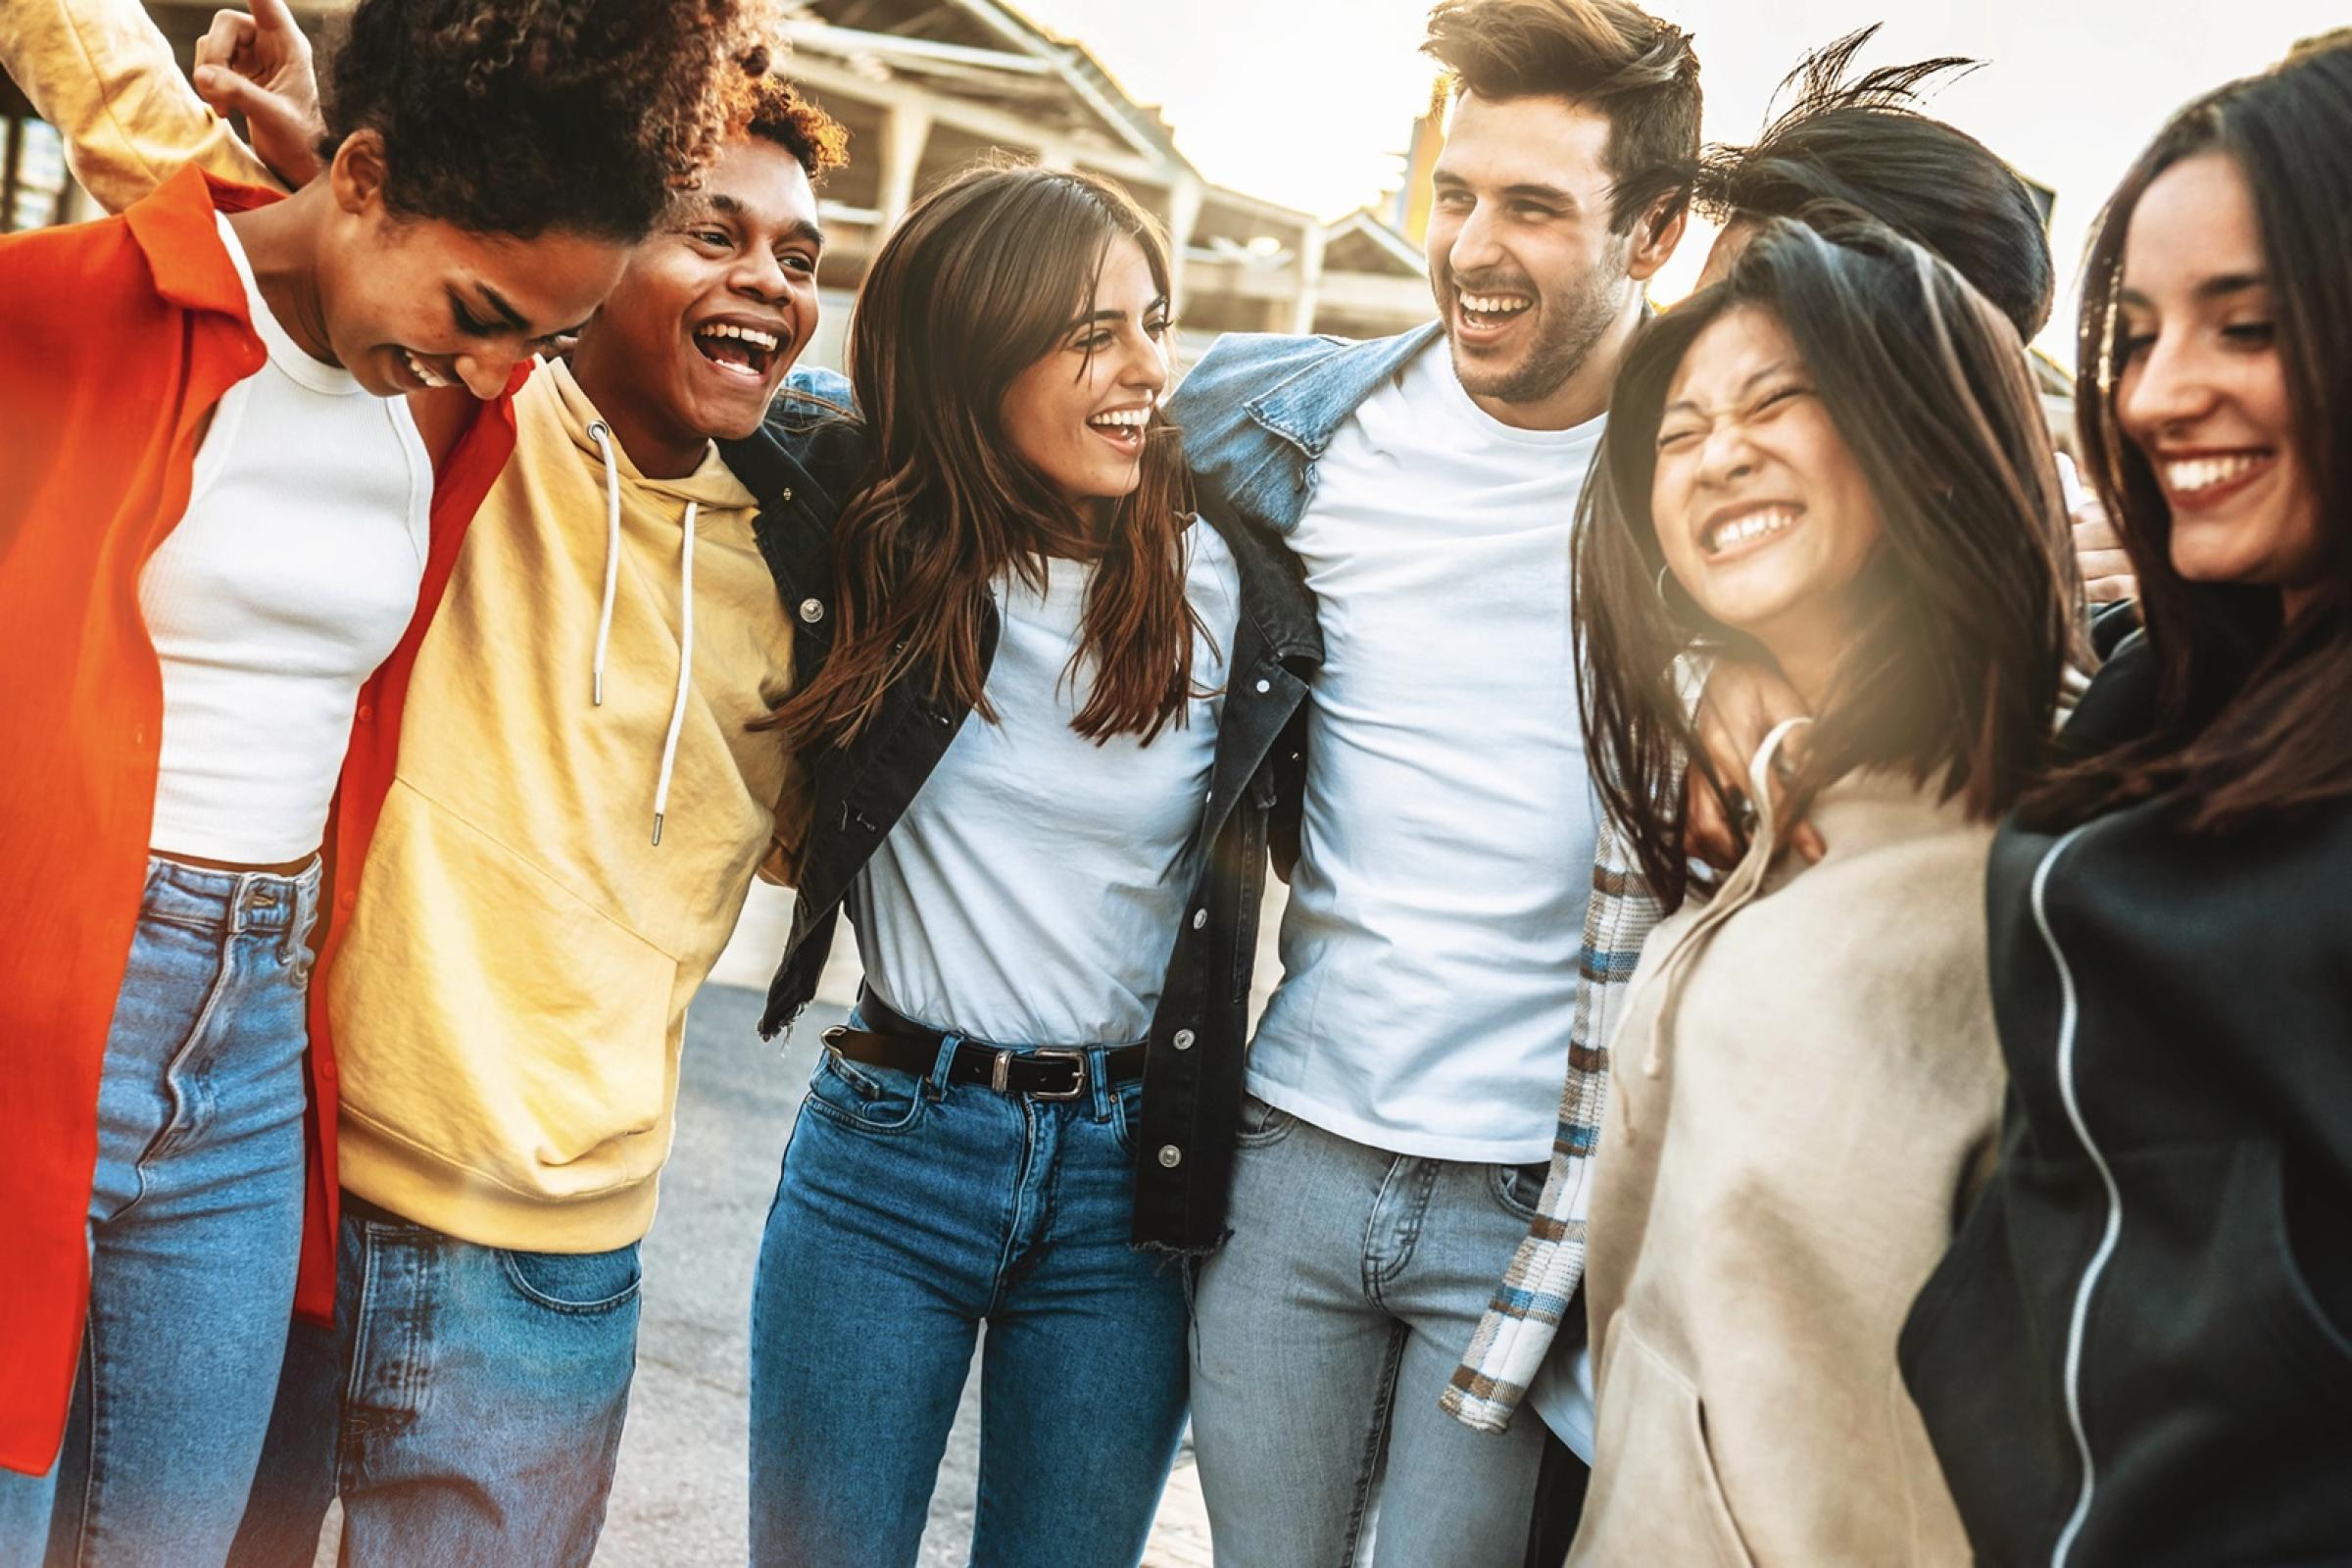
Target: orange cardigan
point(115, 339)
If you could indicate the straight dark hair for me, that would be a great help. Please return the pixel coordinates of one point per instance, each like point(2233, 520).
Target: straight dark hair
point(1639, 70)
point(979, 282)
point(2251, 715)
point(1952, 678)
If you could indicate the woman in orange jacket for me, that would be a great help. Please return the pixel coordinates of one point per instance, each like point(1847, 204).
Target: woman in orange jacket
point(240, 438)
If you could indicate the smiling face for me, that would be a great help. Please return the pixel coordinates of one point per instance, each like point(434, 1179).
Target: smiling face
point(1078, 414)
point(712, 308)
point(2201, 388)
point(411, 302)
point(1765, 517)
point(1528, 279)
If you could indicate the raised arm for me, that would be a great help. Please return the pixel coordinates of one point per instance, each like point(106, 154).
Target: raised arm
point(103, 74)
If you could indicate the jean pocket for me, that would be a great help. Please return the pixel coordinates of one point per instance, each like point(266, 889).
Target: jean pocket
point(1519, 1189)
point(862, 1096)
point(1126, 1113)
point(576, 1282)
point(1261, 1125)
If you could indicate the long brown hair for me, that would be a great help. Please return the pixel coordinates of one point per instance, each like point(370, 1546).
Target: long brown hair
point(2251, 715)
point(1952, 677)
point(978, 283)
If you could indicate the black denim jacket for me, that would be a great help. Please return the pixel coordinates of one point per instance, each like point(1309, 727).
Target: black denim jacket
point(802, 467)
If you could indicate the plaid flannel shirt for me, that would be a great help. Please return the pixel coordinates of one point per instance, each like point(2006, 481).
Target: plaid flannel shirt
point(1516, 1333)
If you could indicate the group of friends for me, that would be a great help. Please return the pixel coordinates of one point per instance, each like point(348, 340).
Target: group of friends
point(1797, 1043)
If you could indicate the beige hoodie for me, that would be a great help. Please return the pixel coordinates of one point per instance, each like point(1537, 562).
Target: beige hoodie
point(1782, 1163)
point(510, 998)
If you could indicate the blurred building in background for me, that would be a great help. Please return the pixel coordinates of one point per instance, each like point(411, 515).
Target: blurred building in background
point(925, 87)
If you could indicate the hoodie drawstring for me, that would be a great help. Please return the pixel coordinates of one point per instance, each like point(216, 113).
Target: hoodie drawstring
point(602, 435)
point(677, 711)
point(1738, 890)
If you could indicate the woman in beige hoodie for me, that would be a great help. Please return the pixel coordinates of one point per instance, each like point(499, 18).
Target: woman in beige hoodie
point(1832, 463)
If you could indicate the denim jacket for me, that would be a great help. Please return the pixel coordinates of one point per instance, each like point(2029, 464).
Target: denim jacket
point(1258, 413)
point(804, 465)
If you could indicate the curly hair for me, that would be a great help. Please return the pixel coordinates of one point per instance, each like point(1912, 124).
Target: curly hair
point(774, 111)
point(516, 116)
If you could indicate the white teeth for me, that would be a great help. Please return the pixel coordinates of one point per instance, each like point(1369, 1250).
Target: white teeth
point(418, 369)
point(1495, 304)
point(750, 334)
point(1749, 525)
point(2192, 475)
point(1127, 419)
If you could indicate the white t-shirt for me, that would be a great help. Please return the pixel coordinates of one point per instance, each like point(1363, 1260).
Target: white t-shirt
point(290, 577)
point(1031, 894)
point(1435, 920)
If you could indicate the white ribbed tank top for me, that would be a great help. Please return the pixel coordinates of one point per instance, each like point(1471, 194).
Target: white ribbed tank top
point(291, 575)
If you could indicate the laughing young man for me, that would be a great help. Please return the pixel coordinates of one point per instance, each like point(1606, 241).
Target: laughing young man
point(1438, 973)
point(579, 809)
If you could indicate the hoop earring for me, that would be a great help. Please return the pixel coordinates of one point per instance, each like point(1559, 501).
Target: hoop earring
point(1660, 585)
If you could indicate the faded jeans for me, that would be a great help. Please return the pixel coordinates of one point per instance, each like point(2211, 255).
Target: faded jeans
point(910, 1211)
point(466, 1405)
point(1323, 1333)
point(195, 1229)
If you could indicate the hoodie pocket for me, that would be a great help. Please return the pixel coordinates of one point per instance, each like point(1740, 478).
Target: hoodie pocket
point(1656, 1495)
point(490, 1019)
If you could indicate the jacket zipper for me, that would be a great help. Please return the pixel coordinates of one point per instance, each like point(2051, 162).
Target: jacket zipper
point(2067, 1018)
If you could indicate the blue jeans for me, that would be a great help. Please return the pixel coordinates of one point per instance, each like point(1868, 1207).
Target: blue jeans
point(909, 1212)
point(1324, 1331)
point(195, 1228)
point(466, 1405)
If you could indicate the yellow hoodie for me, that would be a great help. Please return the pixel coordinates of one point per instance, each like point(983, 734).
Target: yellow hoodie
point(510, 998)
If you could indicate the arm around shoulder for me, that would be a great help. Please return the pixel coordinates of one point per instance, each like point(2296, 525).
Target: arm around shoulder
point(102, 72)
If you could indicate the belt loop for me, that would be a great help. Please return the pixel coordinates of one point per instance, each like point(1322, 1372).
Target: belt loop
point(239, 891)
point(301, 898)
point(946, 1058)
point(1098, 1072)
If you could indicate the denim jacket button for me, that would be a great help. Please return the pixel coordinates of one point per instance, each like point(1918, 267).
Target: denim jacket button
point(1182, 1040)
point(1170, 1156)
point(812, 610)
point(1265, 686)
point(1200, 918)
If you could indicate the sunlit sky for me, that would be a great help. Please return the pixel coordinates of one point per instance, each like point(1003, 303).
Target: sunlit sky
point(1310, 102)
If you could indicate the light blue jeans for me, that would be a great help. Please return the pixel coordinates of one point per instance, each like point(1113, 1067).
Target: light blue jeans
point(195, 1229)
point(909, 1212)
point(1323, 1333)
point(466, 1405)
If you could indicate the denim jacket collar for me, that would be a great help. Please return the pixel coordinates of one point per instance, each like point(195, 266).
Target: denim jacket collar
point(1306, 409)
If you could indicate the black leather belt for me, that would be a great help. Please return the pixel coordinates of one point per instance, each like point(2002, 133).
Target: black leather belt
point(890, 1041)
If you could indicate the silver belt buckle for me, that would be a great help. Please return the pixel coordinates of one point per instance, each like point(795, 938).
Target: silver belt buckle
point(1077, 1061)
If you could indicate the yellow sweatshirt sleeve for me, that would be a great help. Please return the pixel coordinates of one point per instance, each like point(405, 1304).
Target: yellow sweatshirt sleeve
point(103, 74)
